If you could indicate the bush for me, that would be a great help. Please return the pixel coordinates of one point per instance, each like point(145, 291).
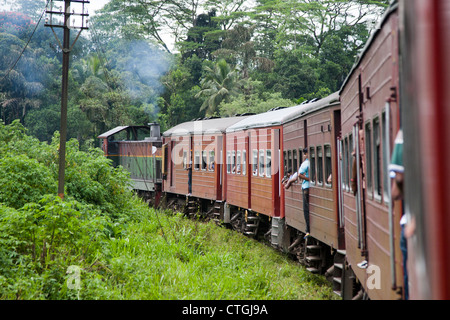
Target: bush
point(23, 180)
point(41, 240)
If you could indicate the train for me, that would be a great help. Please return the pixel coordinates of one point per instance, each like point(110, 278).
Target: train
point(232, 170)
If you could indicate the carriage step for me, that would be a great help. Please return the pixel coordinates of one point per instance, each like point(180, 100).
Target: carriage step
point(339, 266)
point(313, 258)
point(337, 280)
point(339, 273)
point(313, 270)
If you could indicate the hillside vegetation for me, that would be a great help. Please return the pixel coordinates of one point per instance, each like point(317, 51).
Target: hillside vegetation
point(228, 57)
point(102, 242)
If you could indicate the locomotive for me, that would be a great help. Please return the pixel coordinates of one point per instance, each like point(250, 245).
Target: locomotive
point(231, 169)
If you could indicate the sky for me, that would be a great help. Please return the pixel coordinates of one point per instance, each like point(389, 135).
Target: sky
point(93, 5)
point(97, 4)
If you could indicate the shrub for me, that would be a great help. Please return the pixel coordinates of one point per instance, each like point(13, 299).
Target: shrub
point(41, 240)
point(23, 180)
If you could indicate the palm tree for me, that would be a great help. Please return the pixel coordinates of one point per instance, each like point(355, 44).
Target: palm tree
point(219, 84)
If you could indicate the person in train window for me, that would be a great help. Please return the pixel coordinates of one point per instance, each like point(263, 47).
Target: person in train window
point(303, 173)
point(396, 172)
point(286, 177)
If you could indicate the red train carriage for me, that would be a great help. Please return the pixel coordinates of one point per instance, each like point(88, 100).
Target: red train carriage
point(315, 126)
point(425, 119)
point(199, 144)
point(258, 145)
point(370, 121)
point(253, 177)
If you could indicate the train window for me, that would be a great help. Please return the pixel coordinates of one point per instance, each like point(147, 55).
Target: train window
point(238, 162)
point(261, 163)
point(228, 161)
point(300, 156)
point(377, 158)
point(268, 163)
point(289, 161)
point(385, 159)
point(319, 165)
point(350, 161)
point(212, 164)
point(285, 162)
point(244, 162)
point(312, 165)
point(185, 160)
point(368, 139)
point(233, 161)
point(204, 160)
point(197, 160)
point(294, 157)
point(346, 161)
point(255, 163)
point(328, 165)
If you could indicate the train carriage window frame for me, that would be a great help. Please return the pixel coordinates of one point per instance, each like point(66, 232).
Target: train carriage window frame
point(261, 163)
point(255, 162)
point(300, 154)
point(197, 160)
point(312, 165)
point(346, 160)
point(204, 160)
point(294, 161)
point(351, 148)
point(377, 161)
point(319, 169)
point(238, 162)
point(212, 162)
point(385, 160)
point(328, 165)
point(228, 161)
point(268, 163)
point(184, 159)
point(368, 157)
point(289, 161)
point(244, 162)
point(233, 162)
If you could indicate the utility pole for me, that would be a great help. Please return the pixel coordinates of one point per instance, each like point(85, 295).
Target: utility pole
point(79, 22)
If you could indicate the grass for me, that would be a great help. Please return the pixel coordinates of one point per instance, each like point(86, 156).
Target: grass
point(166, 256)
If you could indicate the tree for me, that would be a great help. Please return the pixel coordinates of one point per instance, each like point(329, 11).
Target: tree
point(203, 38)
point(256, 99)
point(145, 19)
point(320, 19)
point(219, 84)
point(238, 48)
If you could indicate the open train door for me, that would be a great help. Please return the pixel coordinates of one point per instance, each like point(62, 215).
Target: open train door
point(274, 163)
point(340, 187)
point(219, 164)
point(359, 193)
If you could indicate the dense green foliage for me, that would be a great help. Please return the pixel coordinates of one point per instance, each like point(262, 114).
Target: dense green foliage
point(228, 57)
point(102, 242)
